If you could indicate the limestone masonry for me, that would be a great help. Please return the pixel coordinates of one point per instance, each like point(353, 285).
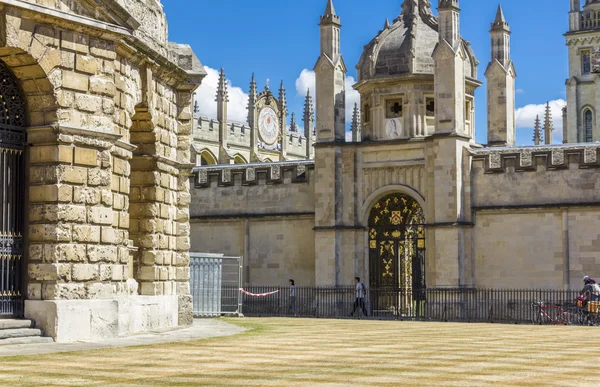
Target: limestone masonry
point(413, 201)
point(108, 124)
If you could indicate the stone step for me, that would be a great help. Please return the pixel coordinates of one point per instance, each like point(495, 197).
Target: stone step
point(26, 340)
point(19, 332)
point(16, 324)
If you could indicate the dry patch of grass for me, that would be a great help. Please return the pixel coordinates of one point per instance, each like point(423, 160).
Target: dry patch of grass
point(299, 352)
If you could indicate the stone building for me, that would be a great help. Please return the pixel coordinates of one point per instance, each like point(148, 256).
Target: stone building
point(264, 137)
point(95, 162)
point(583, 84)
point(415, 201)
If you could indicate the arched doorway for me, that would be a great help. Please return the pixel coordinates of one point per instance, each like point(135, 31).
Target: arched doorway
point(12, 192)
point(397, 255)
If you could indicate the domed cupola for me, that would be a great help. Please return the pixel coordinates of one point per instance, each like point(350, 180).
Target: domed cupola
point(406, 46)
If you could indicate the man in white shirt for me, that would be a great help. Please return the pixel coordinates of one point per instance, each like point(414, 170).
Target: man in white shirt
point(360, 297)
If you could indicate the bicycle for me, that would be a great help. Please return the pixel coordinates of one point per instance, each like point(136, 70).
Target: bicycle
point(549, 314)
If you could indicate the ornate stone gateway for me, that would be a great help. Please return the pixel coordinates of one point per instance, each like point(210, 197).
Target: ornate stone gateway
point(12, 204)
point(396, 254)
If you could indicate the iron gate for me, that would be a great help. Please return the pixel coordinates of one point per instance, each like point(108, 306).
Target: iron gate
point(12, 207)
point(397, 255)
point(215, 282)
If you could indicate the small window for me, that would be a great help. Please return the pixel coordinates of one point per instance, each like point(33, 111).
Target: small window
point(588, 119)
point(430, 107)
point(366, 114)
point(468, 110)
point(393, 108)
point(586, 62)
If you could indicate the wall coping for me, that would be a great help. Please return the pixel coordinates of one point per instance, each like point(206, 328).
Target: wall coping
point(528, 158)
point(253, 173)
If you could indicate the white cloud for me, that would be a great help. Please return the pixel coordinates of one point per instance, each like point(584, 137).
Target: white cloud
point(306, 80)
point(525, 117)
point(237, 107)
point(349, 136)
point(520, 91)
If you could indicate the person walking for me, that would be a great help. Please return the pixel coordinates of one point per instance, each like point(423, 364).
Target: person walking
point(292, 303)
point(360, 297)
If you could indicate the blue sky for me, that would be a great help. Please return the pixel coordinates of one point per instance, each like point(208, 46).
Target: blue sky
point(278, 39)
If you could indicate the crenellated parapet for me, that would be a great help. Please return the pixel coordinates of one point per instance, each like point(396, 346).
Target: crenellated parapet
point(255, 173)
point(499, 160)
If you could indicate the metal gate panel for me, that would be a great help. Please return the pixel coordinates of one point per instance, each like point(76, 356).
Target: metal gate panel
point(12, 193)
point(215, 281)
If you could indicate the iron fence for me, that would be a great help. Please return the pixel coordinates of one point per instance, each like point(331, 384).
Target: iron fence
point(215, 281)
point(437, 304)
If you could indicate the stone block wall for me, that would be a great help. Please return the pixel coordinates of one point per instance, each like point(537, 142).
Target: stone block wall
point(109, 153)
point(536, 216)
point(262, 212)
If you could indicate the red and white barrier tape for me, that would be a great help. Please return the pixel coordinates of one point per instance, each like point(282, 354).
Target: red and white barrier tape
point(258, 295)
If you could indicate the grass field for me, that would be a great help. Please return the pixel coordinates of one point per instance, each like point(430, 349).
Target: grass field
point(299, 352)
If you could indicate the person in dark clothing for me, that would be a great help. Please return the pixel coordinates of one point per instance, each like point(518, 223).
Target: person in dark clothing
point(292, 304)
point(360, 297)
point(591, 290)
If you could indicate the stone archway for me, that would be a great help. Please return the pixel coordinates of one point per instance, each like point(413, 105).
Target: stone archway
point(396, 240)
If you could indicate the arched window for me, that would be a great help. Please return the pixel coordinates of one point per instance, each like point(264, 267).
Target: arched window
point(239, 160)
point(206, 158)
point(588, 124)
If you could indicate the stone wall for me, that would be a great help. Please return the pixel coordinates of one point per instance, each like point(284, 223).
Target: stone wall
point(537, 212)
point(109, 159)
point(262, 212)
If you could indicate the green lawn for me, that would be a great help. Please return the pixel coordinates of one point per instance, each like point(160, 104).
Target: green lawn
point(302, 352)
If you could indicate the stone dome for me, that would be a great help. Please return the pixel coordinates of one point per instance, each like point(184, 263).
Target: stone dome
point(406, 46)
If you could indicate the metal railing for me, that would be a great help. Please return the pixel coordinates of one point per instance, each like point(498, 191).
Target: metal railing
point(214, 284)
point(437, 304)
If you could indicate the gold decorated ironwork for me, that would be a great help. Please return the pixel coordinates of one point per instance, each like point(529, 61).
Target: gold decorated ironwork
point(397, 243)
point(396, 218)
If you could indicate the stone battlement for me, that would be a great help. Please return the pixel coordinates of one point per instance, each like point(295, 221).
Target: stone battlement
point(498, 160)
point(251, 174)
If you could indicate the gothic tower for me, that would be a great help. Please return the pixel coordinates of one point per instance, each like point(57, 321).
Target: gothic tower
point(330, 72)
point(583, 84)
point(449, 72)
point(501, 76)
point(447, 202)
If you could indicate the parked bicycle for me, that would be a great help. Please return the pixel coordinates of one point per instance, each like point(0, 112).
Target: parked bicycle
point(550, 314)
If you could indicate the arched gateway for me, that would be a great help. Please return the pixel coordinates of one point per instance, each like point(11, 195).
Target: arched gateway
point(396, 254)
point(12, 192)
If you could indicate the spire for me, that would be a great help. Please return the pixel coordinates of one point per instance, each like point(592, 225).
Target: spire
point(253, 93)
point(308, 124)
point(282, 100)
point(222, 88)
point(500, 23)
point(252, 98)
point(548, 126)
point(537, 131)
point(329, 9)
point(387, 24)
point(293, 126)
point(355, 127)
point(330, 17)
point(309, 112)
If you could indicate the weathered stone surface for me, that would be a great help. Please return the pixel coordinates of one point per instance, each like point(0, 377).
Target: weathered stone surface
point(83, 272)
